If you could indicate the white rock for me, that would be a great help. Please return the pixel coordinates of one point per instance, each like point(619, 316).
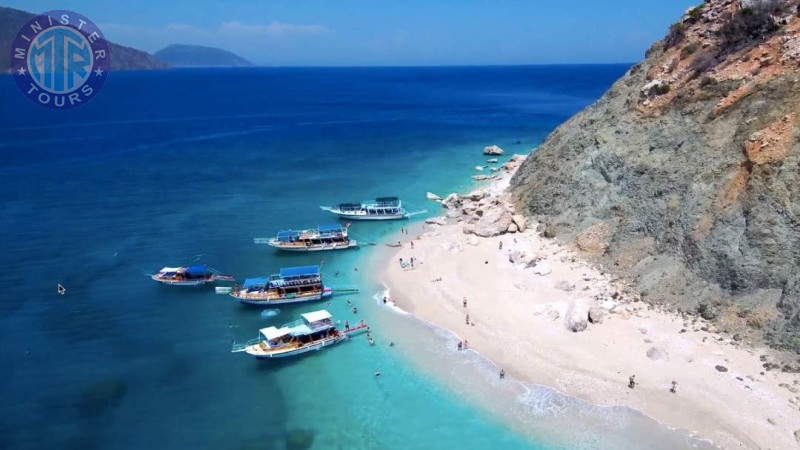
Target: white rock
point(432, 196)
point(473, 241)
point(577, 317)
point(493, 222)
point(476, 195)
point(542, 268)
point(512, 228)
point(491, 160)
point(520, 221)
point(451, 201)
point(479, 168)
point(436, 221)
point(493, 150)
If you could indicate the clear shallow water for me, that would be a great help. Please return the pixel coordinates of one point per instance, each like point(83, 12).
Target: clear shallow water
point(184, 166)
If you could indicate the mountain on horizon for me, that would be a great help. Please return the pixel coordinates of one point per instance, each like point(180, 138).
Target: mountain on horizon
point(181, 55)
point(121, 57)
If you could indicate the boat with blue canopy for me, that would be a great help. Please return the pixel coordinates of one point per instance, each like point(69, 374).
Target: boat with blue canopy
point(189, 276)
point(382, 208)
point(313, 331)
point(324, 237)
point(291, 285)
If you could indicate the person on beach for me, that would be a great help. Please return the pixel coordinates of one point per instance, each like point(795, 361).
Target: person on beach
point(412, 262)
point(632, 381)
point(384, 300)
point(460, 345)
point(465, 302)
point(501, 245)
point(412, 245)
point(674, 388)
point(502, 374)
point(466, 344)
point(467, 319)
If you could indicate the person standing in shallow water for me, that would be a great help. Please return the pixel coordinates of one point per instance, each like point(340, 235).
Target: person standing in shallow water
point(502, 374)
point(460, 345)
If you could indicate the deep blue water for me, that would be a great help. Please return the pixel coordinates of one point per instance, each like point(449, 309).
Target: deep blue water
point(171, 168)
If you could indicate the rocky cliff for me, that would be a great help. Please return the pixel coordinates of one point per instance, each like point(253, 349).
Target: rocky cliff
point(121, 57)
point(685, 176)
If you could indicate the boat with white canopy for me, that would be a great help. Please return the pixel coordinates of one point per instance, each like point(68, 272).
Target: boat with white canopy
point(189, 276)
point(382, 208)
point(313, 331)
point(324, 237)
point(291, 285)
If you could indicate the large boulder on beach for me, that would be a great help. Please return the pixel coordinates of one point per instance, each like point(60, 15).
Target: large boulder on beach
point(657, 354)
point(493, 150)
point(476, 195)
point(451, 201)
point(436, 221)
point(596, 315)
point(542, 268)
point(493, 222)
point(513, 228)
point(577, 318)
point(520, 221)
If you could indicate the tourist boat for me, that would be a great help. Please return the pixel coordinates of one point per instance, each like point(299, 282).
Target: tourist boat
point(325, 237)
point(314, 331)
point(291, 285)
point(189, 276)
point(382, 208)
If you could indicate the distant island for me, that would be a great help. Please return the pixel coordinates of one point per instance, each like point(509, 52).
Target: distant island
point(180, 55)
point(122, 58)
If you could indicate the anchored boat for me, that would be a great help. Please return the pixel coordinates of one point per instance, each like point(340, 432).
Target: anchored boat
point(314, 331)
point(291, 285)
point(324, 237)
point(382, 208)
point(189, 276)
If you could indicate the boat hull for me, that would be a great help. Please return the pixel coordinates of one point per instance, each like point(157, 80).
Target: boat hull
point(321, 248)
point(326, 292)
point(349, 216)
point(181, 283)
point(296, 352)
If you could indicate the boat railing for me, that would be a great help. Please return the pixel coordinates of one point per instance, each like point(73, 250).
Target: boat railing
point(344, 289)
point(237, 348)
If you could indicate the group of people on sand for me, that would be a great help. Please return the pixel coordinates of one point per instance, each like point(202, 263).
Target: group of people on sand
point(463, 345)
point(404, 264)
point(632, 384)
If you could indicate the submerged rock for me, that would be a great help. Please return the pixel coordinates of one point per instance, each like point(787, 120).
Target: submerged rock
point(432, 196)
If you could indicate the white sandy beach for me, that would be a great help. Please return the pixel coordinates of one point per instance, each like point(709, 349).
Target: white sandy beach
point(518, 321)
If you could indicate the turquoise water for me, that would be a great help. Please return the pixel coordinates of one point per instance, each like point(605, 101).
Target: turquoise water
point(179, 167)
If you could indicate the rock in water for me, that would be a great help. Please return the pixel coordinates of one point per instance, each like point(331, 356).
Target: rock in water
point(491, 161)
point(596, 315)
point(493, 150)
point(432, 196)
point(479, 168)
point(495, 221)
point(657, 354)
point(576, 318)
point(451, 201)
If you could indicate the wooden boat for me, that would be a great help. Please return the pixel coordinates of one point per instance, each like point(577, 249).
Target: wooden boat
point(314, 331)
point(324, 237)
point(189, 276)
point(382, 208)
point(291, 285)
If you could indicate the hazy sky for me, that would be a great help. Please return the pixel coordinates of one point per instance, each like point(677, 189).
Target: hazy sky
point(387, 32)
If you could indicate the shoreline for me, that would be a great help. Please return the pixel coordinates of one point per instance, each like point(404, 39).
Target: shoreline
point(519, 322)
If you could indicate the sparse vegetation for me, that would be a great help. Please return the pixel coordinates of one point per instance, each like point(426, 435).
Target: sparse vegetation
point(688, 49)
point(702, 62)
point(750, 24)
point(676, 34)
point(660, 89)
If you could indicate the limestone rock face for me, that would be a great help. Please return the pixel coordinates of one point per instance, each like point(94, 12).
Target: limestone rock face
point(493, 222)
point(704, 168)
point(451, 201)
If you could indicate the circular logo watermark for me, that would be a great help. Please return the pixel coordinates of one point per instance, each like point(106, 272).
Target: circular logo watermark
point(59, 60)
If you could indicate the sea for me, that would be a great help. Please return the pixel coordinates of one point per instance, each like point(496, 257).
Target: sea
point(182, 167)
